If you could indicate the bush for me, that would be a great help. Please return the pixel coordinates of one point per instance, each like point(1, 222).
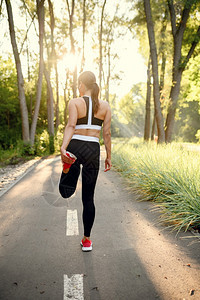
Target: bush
point(59, 138)
point(166, 174)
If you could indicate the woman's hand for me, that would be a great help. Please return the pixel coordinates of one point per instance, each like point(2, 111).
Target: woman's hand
point(108, 164)
point(65, 158)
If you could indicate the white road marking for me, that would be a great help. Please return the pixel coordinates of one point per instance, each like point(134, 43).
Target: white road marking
point(72, 223)
point(73, 287)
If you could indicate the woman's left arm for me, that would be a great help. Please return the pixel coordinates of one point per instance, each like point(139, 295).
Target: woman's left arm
point(69, 130)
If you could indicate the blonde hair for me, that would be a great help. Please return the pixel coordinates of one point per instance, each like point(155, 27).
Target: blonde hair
point(89, 80)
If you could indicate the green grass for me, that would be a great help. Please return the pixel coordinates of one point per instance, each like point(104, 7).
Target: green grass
point(166, 174)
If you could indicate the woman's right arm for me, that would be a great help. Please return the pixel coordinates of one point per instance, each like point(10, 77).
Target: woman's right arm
point(69, 130)
point(107, 138)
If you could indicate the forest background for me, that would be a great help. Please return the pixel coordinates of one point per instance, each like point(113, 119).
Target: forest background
point(46, 44)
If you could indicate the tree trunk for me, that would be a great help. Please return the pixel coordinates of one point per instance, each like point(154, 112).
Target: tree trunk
point(40, 13)
point(20, 79)
point(162, 72)
point(65, 110)
point(57, 98)
point(162, 51)
point(100, 46)
point(156, 89)
point(148, 103)
point(109, 41)
point(1, 7)
point(50, 111)
point(54, 59)
point(50, 103)
point(178, 64)
point(108, 76)
point(84, 22)
point(170, 120)
point(28, 71)
point(153, 128)
point(74, 85)
point(71, 16)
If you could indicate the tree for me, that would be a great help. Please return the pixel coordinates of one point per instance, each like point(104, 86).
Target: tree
point(109, 32)
point(179, 60)
point(162, 53)
point(40, 14)
point(156, 88)
point(100, 44)
point(148, 104)
point(71, 27)
point(20, 78)
point(53, 62)
point(50, 110)
point(84, 29)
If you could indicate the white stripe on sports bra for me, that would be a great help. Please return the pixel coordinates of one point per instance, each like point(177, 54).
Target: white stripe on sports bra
point(85, 126)
point(90, 112)
point(89, 123)
point(85, 138)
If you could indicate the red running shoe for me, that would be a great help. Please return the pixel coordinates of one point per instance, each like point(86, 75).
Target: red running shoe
point(86, 245)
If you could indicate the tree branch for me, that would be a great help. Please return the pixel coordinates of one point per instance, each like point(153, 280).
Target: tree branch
point(1, 7)
point(52, 19)
point(68, 7)
point(192, 48)
point(73, 4)
point(172, 16)
point(26, 34)
point(184, 17)
point(32, 17)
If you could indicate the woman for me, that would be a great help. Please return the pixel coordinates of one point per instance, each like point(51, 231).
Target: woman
point(81, 137)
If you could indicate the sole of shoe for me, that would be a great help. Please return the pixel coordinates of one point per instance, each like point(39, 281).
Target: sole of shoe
point(86, 249)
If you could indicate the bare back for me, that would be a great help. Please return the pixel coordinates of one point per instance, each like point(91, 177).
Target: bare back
point(81, 112)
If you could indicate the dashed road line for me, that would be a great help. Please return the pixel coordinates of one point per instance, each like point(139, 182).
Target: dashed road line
point(72, 223)
point(73, 287)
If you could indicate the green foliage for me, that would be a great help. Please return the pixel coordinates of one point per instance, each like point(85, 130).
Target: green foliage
point(130, 113)
point(41, 145)
point(59, 138)
point(10, 122)
point(166, 174)
point(10, 115)
point(188, 114)
point(17, 153)
point(188, 123)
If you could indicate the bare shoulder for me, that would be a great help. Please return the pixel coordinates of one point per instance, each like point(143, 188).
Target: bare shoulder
point(75, 101)
point(104, 105)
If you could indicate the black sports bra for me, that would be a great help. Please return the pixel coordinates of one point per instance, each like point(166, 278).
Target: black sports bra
point(89, 121)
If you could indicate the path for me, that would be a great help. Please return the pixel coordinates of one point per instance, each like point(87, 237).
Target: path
point(133, 257)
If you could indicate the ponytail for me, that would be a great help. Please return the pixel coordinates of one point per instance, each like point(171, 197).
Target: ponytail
point(89, 79)
point(95, 97)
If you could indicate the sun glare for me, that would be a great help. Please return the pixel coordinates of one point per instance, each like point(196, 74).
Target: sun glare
point(67, 64)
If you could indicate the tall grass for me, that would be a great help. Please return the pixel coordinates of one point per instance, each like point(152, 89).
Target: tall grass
point(166, 174)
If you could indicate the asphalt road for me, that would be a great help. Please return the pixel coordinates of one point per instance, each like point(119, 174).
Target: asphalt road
point(133, 256)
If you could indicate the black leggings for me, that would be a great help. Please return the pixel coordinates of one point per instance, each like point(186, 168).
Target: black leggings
point(88, 154)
